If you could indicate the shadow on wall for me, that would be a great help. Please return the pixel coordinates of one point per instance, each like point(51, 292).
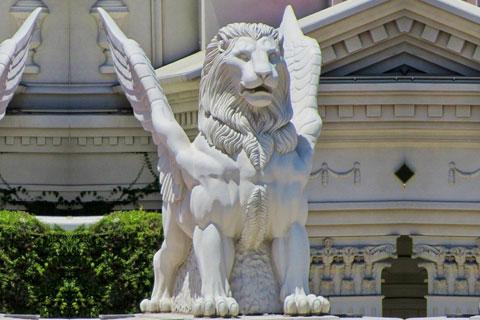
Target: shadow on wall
point(404, 284)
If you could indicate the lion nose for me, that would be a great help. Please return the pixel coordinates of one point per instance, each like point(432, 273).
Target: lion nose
point(264, 74)
point(262, 66)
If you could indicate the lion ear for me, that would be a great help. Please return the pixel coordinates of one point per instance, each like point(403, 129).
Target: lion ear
point(280, 43)
point(222, 42)
point(289, 26)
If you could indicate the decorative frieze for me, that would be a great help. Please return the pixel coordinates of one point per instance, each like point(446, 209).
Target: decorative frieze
point(453, 171)
point(350, 276)
point(453, 277)
point(325, 170)
point(348, 270)
point(20, 11)
point(118, 11)
point(452, 270)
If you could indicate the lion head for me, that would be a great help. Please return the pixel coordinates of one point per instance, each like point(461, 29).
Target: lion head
point(244, 94)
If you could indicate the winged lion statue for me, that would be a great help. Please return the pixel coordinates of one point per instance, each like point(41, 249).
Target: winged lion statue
point(242, 181)
point(13, 55)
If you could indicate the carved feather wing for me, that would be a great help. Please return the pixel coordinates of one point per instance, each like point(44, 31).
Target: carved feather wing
point(150, 106)
point(303, 57)
point(13, 55)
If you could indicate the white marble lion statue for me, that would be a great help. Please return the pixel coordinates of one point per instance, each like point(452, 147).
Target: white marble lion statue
point(242, 181)
point(13, 55)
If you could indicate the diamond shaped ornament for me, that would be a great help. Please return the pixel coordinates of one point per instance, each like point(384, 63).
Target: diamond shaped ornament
point(404, 173)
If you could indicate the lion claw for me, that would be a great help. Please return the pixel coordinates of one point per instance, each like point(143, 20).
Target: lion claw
point(300, 304)
point(153, 306)
point(221, 307)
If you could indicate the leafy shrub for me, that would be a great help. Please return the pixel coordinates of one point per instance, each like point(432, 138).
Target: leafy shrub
point(105, 268)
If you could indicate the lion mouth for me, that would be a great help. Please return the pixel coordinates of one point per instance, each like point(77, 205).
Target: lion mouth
point(261, 88)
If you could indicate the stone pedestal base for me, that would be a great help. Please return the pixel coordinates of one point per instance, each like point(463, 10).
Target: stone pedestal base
point(180, 316)
point(452, 305)
point(356, 305)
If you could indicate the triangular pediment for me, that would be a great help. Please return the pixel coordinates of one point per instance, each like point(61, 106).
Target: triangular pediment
point(398, 37)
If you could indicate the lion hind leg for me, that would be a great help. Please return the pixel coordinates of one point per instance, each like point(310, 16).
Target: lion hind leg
point(166, 261)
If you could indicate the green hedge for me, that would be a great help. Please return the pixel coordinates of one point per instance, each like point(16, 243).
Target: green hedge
point(105, 268)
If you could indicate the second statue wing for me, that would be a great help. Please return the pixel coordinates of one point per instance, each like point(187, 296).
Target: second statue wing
point(13, 55)
point(150, 106)
point(304, 59)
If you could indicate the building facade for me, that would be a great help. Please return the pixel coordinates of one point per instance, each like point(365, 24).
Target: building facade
point(394, 203)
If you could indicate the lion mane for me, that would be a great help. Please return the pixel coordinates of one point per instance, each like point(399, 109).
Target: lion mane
point(226, 120)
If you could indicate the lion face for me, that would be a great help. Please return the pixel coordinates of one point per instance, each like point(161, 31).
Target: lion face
point(255, 66)
point(244, 94)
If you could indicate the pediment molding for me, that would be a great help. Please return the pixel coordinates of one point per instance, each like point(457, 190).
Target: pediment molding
point(388, 53)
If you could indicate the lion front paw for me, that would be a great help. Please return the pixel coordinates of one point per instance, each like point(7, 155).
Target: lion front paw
point(318, 304)
point(301, 304)
point(151, 306)
point(221, 307)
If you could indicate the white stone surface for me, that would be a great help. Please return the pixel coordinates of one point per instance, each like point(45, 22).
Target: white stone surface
point(452, 306)
point(357, 305)
point(242, 181)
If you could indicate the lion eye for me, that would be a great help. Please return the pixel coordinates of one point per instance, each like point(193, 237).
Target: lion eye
point(244, 56)
point(273, 55)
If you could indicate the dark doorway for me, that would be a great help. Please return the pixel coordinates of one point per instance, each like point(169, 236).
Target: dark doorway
point(404, 284)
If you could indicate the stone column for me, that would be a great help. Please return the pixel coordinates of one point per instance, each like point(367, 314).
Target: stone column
point(118, 11)
point(453, 267)
point(350, 275)
point(20, 11)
